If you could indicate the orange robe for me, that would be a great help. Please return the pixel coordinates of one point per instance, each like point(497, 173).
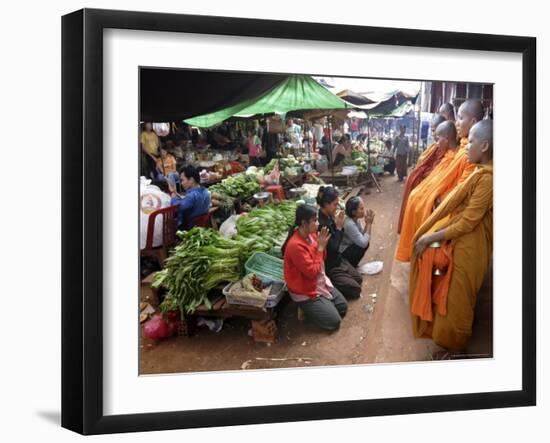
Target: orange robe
point(426, 152)
point(426, 163)
point(442, 308)
point(452, 170)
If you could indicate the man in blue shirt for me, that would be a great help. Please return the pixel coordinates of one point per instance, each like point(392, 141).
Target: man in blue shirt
point(196, 201)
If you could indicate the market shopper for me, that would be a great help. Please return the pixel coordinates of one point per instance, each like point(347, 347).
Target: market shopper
point(149, 143)
point(442, 307)
point(356, 236)
point(341, 272)
point(196, 201)
point(304, 251)
point(254, 148)
point(401, 147)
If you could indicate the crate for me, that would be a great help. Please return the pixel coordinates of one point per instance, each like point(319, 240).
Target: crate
point(265, 266)
point(275, 251)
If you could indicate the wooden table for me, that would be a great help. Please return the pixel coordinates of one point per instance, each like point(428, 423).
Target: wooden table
point(264, 328)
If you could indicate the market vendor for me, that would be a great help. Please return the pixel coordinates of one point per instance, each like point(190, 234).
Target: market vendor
point(166, 168)
point(293, 132)
point(342, 150)
point(196, 201)
point(388, 156)
point(341, 272)
point(304, 251)
point(149, 143)
point(356, 236)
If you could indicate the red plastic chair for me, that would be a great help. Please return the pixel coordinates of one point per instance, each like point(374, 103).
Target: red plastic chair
point(202, 221)
point(160, 253)
point(277, 191)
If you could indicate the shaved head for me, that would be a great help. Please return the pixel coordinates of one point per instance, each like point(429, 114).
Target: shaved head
point(480, 142)
point(469, 113)
point(483, 132)
point(447, 110)
point(446, 129)
point(437, 119)
point(473, 108)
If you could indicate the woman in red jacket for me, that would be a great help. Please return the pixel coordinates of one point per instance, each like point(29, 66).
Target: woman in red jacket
point(304, 268)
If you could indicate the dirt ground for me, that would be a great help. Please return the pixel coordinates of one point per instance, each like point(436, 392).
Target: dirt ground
point(376, 328)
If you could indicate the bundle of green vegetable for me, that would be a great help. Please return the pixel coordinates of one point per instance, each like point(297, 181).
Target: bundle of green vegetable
point(202, 260)
point(286, 164)
point(241, 185)
point(267, 226)
point(359, 159)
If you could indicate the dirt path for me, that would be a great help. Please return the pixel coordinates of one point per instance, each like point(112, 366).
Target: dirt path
point(375, 329)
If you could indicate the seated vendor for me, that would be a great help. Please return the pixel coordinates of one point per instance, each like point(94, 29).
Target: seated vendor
point(389, 157)
point(342, 150)
point(196, 201)
point(356, 236)
point(166, 167)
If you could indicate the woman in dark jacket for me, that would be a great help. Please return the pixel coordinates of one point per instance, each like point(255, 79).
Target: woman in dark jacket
point(341, 273)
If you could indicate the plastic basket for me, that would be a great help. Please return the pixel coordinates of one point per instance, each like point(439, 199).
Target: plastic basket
point(265, 266)
point(275, 251)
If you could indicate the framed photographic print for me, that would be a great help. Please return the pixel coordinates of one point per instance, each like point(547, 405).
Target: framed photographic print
point(269, 221)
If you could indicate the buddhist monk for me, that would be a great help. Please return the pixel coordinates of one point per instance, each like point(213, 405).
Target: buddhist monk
point(447, 110)
point(455, 242)
point(434, 123)
point(426, 163)
point(452, 170)
point(469, 113)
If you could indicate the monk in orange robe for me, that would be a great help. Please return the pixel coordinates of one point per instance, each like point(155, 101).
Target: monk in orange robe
point(429, 159)
point(452, 170)
point(457, 240)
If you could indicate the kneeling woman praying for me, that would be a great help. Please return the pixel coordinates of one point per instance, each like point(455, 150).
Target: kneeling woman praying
point(304, 254)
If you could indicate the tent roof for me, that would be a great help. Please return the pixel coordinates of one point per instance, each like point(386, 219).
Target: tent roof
point(295, 92)
point(398, 112)
point(177, 94)
point(354, 97)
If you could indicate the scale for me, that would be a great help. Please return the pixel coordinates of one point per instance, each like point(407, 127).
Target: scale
point(307, 168)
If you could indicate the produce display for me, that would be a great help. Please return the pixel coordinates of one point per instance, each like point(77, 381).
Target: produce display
point(289, 166)
point(202, 260)
point(359, 159)
point(267, 226)
point(241, 185)
point(224, 204)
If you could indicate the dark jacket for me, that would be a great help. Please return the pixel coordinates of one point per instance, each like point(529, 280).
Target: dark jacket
point(333, 257)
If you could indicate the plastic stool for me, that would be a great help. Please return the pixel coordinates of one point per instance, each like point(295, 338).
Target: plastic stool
point(277, 191)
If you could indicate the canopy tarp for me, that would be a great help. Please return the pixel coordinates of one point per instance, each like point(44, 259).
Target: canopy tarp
point(355, 97)
point(296, 92)
point(176, 94)
point(402, 110)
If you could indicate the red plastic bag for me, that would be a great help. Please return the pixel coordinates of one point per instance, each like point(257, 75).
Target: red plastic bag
point(159, 327)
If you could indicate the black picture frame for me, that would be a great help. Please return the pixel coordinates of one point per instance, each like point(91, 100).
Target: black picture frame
point(82, 215)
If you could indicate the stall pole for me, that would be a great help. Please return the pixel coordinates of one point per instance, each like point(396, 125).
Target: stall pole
point(371, 174)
